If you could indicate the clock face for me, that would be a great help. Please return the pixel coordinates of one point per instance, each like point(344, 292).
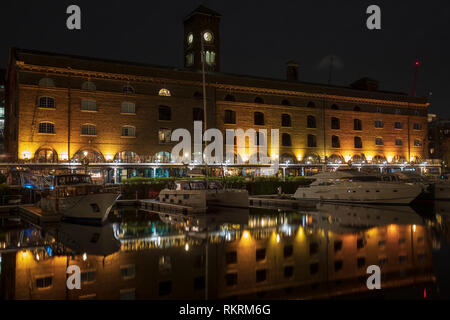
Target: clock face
point(207, 36)
point(190, 38)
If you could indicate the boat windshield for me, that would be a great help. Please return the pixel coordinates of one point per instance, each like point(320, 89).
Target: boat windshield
point(67, 180)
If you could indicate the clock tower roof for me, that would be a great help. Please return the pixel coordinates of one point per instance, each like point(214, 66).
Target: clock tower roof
point(201, 9)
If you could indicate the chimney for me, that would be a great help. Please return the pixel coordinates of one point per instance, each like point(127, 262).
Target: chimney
point(291, 71)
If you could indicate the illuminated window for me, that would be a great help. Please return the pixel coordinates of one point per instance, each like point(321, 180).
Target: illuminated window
point(128, 131)
point(128, 107)
point(88, 130)
point(46, 102)
point(164, 135)
point(45, 155)
point(164, 92)
point(189, 59)
point(88, 105)
point(46, 127)
point(210, 57)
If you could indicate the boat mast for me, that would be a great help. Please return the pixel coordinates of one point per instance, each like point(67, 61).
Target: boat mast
point(204, 103)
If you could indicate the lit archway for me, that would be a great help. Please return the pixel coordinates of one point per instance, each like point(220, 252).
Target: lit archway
point(46, 155)
point(90, 154)
point(127, 157)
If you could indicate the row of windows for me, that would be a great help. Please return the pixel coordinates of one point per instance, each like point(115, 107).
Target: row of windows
point(210, 59)
point(86, 129)
point(230, 118)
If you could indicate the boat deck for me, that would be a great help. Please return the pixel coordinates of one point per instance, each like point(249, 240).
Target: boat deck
point(36, 215)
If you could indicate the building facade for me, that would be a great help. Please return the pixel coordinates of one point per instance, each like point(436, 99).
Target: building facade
point(61, 107)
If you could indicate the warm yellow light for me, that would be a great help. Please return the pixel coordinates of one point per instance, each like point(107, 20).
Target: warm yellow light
point(108, 157)
point(246, 235)
point(186, 247)
point(244, 157)
point(85, 153)
point(37, 257)
point(369, 158)
point(24, 254)
point(389, 158)
point(411, 159)
point(299, 157)
point(84, 256)
point(63, 156)
point(348, 158)
point(26, 155)
point(414, 228)
point(278, 238)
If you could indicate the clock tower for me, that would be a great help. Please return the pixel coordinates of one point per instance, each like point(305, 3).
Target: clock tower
point(202, 26)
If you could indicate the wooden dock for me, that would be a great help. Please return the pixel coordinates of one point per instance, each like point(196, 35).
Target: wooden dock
point(35, 215)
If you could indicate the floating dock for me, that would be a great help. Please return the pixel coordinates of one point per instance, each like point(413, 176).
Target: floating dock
point(36, 215)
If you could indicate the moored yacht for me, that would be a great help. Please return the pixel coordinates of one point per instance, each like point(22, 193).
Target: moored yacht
point(202, 195)
point(74, 196)
point(355, 187)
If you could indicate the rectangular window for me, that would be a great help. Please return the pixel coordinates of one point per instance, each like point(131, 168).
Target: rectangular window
point(46, 127)
point(337, 245)
point(357, 124)
point(231, 257)
point(361, 262)
point(398, 142)
point(378, 124)
point(165, 113)
point(285, 120)
point(260, 254)
point(165, 288)
point(313, 248)
point(88, 276)
point(312, 141)
point(288, 251)
point(88, 105)
point(417, 143)
point(338, 265)
point(335, 123)
point(88, 130)
point(230, 117)
point(44, 282)
point(261, 275)
point(128, 272)
point(398, 125)
point(164, 135)
point(379, 141)
point(128, 131)
point(417, 126)
point(288, 271)
point(128, 294)
point(128, 107)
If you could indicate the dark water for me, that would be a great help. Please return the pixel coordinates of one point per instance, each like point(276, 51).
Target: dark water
point(317, 252)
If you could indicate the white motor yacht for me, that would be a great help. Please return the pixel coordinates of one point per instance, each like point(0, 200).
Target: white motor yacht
point(349, 186)
point(74, 196)
point(202, 195)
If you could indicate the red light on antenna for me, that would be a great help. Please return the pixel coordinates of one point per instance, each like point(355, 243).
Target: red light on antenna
point(417, 63)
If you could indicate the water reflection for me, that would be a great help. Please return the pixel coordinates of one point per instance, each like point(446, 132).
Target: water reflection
point(317, 252)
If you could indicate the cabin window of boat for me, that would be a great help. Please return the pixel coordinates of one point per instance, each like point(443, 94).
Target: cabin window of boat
point(197, 186)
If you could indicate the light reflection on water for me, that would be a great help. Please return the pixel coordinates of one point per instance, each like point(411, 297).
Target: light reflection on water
point(318, 252)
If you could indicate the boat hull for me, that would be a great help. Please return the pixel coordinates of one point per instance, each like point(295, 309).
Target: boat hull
point(361, 193)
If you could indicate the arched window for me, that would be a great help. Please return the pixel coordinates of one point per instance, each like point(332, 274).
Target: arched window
point(46, 155)
point(162, 157)
point(46, 82)
point(334, 107)
point(285, 120)
point(258, 118)
point(230, 117)
point(230, 97)
point(164, 92)
point(335, 142)
point(91, 155)
point(311, 122)
point(399, 159)
point(358, 142)
point(88, 105)
point(46, 102)
point(378, 159)
point(259, 100)
point(127, 157)
point(128, 107)
point(357, 124)
point(286, 140)
point(335, 123)
point(358, 158)
point(285, 102)
point(356, 108)
point(311, 105)
point(88, 85)
point(311, 158)
point(128, 89)
point(287, 158)
point(336, 158)
point(46, 127)
point(197, 114)
point(88, 130)
point(128, 131)
point(164, 113)
point(312, 141)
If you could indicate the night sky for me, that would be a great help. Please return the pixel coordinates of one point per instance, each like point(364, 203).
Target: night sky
point(257, 37)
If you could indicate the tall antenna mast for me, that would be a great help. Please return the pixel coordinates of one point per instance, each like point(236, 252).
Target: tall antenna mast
point(204, 102)
point(416, 71)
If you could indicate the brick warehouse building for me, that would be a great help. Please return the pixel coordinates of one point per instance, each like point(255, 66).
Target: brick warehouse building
point(61, 107)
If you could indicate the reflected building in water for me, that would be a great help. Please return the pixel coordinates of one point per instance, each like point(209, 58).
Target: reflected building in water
point(275, 256)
